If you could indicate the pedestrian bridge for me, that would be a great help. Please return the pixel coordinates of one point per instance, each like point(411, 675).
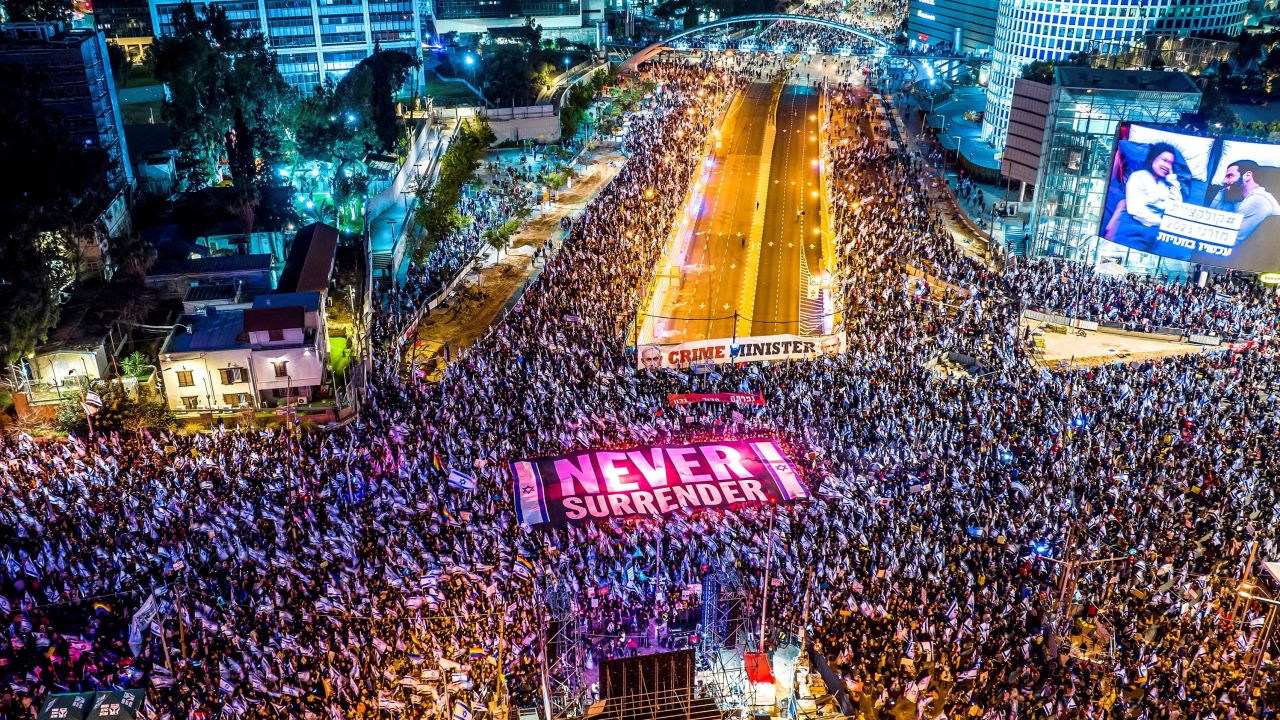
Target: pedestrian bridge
point(644, 54)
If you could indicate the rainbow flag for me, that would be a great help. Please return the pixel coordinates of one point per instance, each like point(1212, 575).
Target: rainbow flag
point(477, 653)
point(101, 607)
point(435, 460)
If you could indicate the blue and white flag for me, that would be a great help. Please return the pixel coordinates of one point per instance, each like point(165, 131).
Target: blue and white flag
point(461, 480)
point(461, 711)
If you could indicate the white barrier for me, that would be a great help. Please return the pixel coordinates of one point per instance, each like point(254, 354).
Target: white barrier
point(1060, 320)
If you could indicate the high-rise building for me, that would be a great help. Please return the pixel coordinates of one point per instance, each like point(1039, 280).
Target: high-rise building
point(1051, 30)
point(314, 40)
point(1085, 109)
point(571, 19)
point(76, 83)
point(966, 26)
point(127, 23)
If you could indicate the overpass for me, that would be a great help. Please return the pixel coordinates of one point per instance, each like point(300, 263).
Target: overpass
point(644, 54)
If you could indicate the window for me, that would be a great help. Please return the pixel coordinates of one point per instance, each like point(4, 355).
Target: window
point(191, 402)
point(275, 335)
point(282, 368)
point(235, 399)
point(231, 376)
point(185, 379)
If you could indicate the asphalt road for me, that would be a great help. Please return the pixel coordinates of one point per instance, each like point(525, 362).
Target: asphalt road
point(715, 266)
point(712, 273)
point(792, 215)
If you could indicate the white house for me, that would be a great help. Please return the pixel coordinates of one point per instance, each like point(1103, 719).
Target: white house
point(269, 355)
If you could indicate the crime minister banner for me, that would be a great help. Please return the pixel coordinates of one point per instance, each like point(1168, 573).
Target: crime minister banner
point(652, 480)
point(758, 348)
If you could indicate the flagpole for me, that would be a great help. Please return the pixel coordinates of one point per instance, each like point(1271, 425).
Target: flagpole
point(88, 416)
point(502, 672)
point(768, 561)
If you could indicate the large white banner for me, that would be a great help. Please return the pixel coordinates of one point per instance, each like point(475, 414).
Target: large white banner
point(746, 349)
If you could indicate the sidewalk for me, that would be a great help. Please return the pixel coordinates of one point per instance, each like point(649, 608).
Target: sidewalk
point(964, 230)
point(495, 284)
point(387, 228)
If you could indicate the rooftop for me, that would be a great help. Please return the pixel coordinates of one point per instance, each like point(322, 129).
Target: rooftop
point(212, 265)
point(310, 261)
point(308, 301)
point(207, 293)
point(1131, 80)
point(210, 330)
point(42, 33)
point(147, 139)
point(87, 317)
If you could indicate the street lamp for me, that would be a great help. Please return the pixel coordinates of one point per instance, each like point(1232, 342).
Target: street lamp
point(470, 61)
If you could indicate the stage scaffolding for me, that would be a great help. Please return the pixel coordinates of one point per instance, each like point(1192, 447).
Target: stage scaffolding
point(564, 653)
point(723, 615)
point(722, 636)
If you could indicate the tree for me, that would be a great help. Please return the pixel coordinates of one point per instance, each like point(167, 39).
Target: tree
point(499, 237)
point(243, 165)
point(120, 63)
point(575, 107)
point(346, 121)
point(508, 77)
point(1215, 113)
point(119, 411)
point(40, 210)
point(214, 72)
point(437, 212)
point(134, 364)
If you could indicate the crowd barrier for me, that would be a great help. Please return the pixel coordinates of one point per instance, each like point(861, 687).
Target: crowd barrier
point(1063, 320)
point(411, 327)
point(1174, 334)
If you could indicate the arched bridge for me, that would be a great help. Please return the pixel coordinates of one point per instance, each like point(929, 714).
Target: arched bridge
point(634, 61)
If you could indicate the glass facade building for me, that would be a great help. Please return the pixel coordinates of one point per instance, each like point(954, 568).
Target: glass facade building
point(1030, 30)
point(943, 22)
point(1085, 111)
point(123, 18)
point(465, 9)
point(75, 81)
point(315, 40)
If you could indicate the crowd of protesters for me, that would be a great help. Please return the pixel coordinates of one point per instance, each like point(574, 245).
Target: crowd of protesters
point(378, 570)
point(1226, 306)
point(501, 199)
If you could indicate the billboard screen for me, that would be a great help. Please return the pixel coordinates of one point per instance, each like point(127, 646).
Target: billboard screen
point(1200, 199)
point(594, 485)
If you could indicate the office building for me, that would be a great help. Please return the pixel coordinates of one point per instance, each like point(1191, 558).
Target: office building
point(76, 83)
point(1086, 108)
point(126, 23)
point(572, 19)
point(315, 40)
point(966, 26)
point(1051, 30)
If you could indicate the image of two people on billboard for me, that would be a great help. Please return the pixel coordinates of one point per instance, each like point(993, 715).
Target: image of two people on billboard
point(1147, 177)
